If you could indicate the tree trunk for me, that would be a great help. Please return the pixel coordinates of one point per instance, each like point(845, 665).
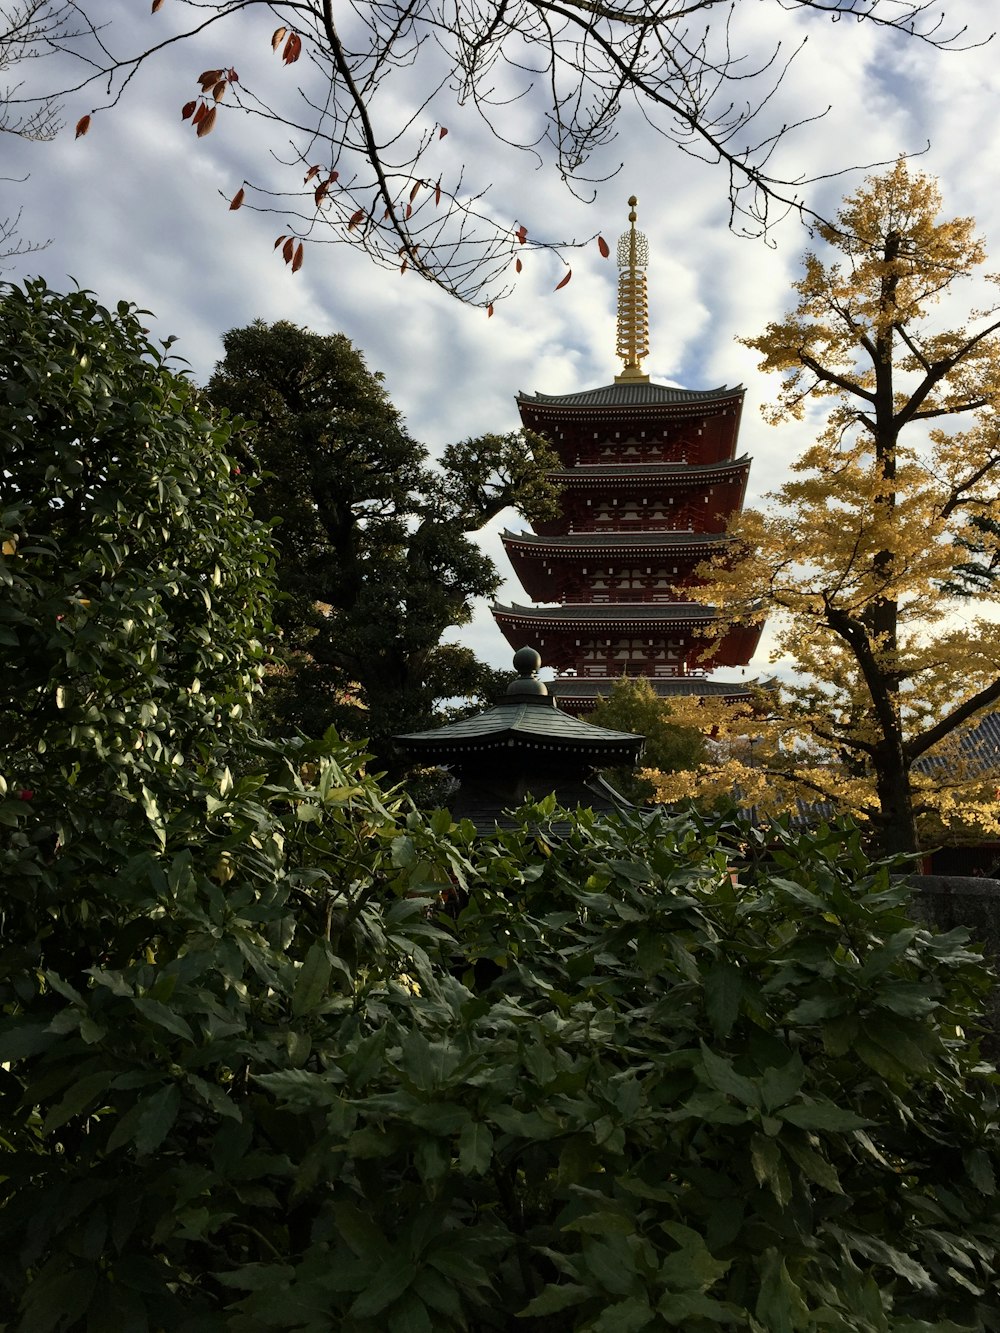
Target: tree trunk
point(896, 831)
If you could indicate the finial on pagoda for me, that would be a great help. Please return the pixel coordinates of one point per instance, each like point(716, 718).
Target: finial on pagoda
point(633, 314)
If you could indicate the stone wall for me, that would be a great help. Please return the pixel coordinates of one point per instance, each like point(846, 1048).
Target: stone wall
point(947, 901)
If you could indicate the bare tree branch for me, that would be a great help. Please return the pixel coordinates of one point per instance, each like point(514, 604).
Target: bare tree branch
point(549, 77)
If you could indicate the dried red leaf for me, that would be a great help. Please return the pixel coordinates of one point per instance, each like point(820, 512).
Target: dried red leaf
point(237, 200)
point(413, 192)
point(404, 266)
point(522, 234)
point(603, 246)
point(187, 110)
point(293, 49)
point(563, 281)
point(313, 171)
point(385, 214)
point(489, 311)
point(218, 90)
point(277, 37)
point(280, 241)
point(409, 210)
point(441, 133)
point(322, 190)
point(297, 261)
point(201, 111)
point(355, 219)
point(156, 6)
point(437, 193)
point(518, 266)
point(288, 250)
point(82, 126)
point(206, 122)
point(232, 76)
point(209, 77)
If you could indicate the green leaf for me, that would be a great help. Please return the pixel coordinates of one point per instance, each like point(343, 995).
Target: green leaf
point(720, 1073)
point(393, 1277)
point(980, 1168)
point(780, 1083)
point(723, 991)
point(312, 980)
point(409, 1315)
point(556, 1297)
point(780, 1306)
point(80, 1096)
point(628, 1316)
point(813, 1165)
point(822, 1115)
point(163, 1017)
point(24, 1040)
point(301, 1087)
point(156, 1118)
point(475, 1149)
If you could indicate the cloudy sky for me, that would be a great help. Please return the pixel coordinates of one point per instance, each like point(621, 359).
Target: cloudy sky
point(138, 209)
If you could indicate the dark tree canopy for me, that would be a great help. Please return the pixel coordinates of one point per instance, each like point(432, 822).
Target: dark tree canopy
point(375, 87)
point(375, 557)
point(136, 582)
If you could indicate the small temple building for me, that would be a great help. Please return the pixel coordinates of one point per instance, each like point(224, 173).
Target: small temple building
point(524, 746)
point(650, 478)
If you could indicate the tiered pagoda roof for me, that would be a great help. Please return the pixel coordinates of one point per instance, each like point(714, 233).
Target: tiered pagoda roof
point(650, 478)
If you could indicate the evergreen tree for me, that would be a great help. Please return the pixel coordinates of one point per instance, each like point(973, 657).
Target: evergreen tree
point(375, 556)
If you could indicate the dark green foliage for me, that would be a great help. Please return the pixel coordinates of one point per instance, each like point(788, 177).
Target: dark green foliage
point(390, 1077)
point(375, 559)
point(633, 705)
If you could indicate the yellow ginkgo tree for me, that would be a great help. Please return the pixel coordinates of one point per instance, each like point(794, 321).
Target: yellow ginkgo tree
point(863, 559)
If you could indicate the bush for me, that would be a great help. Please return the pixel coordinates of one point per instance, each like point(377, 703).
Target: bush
point(403, 1078)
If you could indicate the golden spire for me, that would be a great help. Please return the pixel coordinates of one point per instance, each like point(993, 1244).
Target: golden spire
point(633, 315)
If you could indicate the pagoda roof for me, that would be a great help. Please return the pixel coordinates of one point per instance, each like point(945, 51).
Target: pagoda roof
point(597, 474)
point(619, 614)
point(526, 724)
point(577, 687)
point(633, 394)
point(613, 543)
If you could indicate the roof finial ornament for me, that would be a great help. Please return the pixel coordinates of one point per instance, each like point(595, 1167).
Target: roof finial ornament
point(633, 314)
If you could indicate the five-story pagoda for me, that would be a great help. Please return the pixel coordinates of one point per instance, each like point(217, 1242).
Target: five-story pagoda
point(650, 478)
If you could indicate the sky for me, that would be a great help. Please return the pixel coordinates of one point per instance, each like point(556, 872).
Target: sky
point(138, 209)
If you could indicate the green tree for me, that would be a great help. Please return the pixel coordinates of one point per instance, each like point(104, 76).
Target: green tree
point(633, 705)
point(375, 556)
point(861, 557)
point(136, 587)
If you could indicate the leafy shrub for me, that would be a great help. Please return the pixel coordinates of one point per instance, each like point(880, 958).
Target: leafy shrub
point(599, 1088)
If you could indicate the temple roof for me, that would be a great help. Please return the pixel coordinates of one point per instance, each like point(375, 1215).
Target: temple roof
point(577, 687)
point(526, 724)
point(599, 473)
point(537, 724)
point(614, 543)
point(634, 394)
point(618, 614)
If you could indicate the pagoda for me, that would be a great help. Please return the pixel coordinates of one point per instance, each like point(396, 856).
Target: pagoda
point(649, 478)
